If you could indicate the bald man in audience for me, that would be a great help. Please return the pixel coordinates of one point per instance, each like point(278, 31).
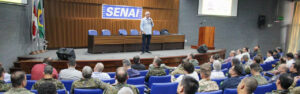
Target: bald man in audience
point(19, 81)
point(280, 70)
point(122, 77)
point(247, 86)
point(98, 74)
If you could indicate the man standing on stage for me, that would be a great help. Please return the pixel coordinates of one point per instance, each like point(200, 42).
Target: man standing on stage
point(146, 29)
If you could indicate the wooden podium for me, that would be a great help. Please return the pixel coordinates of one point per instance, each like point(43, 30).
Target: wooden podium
point(206, 36)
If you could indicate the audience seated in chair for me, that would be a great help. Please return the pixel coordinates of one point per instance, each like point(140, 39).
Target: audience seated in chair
point(4, 86)
point(232, 82)
point(269, 56)
point(205, 84)
point(122, 77)
point(48, 79)
point(217, 73)
point(295, 69)
point(188, 85)
point(247, 86)
point(276, 55)
point(256, 51)
point(157, 70)
point(38, 70)
point(280, 70)
point(137, 63)
point(189, 70)
point(47, 88)
point(231, 56)
point(283, 83)
point(279, 50)
point(239, 54)
point(191, 59)
point(179, 69)
point(247, 61)
point(18, 80)
point(6, 75)
point(71, 73)
point(255, 71)
point(245, 52)
point(237, 62)
point(131, 72)
point(98, 74)
point(87, 82)
point(162, 65)
point(289, 59)
point(256, 60)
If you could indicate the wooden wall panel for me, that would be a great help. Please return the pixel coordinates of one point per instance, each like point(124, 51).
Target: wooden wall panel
point(68, 21)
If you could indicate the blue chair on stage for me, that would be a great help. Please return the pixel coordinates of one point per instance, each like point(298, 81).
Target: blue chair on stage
point(109, 81)
point(29, 84)
point(111, 74)
point(262, 89)
point(159, 79)
point(141, 88)
point(106, 32)
point(212, 92)
point(164, 88)
point(134, 32)
point(230, 91)
point(123, 32)
point(136, 81)
point(219, 80)
point(28, 76)
point(93, 32)
point(143, 72)
point(61, 91)
point(67, 83)
point(88, 91)
point(156, 32)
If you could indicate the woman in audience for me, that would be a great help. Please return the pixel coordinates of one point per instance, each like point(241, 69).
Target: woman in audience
point(217, 72)
point(269, 56)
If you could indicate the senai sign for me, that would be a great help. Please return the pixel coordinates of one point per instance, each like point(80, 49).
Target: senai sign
point(121, 12)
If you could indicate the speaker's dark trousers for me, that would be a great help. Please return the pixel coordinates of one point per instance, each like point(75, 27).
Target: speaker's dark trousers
point(146, 42)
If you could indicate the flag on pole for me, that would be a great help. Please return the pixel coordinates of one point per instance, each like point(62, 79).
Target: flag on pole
point(34, 20)
point(41, 20)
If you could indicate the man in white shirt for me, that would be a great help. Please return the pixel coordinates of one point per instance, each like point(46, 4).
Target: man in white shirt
point(239, 54)
point(269, 56)
point(98, 74)
point(289, 59)
point(246, 52)
point(71, 73)
point(217, 72)
point(188, 71)
point(146, 29)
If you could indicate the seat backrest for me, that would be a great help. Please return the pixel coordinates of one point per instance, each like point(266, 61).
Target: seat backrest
point(219, 80)
point(136, 81)
point(225, 70)
point(230, 91)
point(141, 88)
point(109, 81)
point(262, 89)
point(164, 88)
point(167, 71)
point(88, 91)
point(197, 67)
point(211, 92)
point(29, 84)
point(134, 32)
point(159, 79)
point(156, 32)
point(106, 32)
point(143, 72)
point(111, 74)
point(28, 76)
point(61, 91)
point(93, 32)
point(67, 83)
point(122, 32)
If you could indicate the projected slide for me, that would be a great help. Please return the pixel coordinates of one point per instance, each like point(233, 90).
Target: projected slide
point(218, 7)
point(14, 1)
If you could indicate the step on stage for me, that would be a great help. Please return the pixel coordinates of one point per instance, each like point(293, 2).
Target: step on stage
point(113, 60)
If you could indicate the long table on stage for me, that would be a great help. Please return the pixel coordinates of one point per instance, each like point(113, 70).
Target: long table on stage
point(101, 44)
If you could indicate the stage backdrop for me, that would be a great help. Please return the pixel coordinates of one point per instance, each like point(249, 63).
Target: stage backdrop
point(67, 21)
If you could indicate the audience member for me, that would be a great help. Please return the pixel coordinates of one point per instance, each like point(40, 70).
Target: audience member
point(122, 77)
point(6, 75)
point(246, 61)
point(125, 90)
point(191, 59)
point(131, 72)
point(257, 59)
point(246, 52)
point(283, 83)
point(71, 73)
point(48, 79)
point(217, 73)
point(234, 80)
point(255, 71)
point(279, 50)
point(180, 69)
point(247, 86)
point(236, 62)
point(87, 82)
point(256, 51)
point(239, 54)
point(269, 56)
point(98, 74)
point(137, 63)
point(188, 85)
point(38, 70)
point(157, 70)
point(189, 70)
point(205, 84)
point(47, 88)
point(289, 59)
point(162, 65)
point(276, 55)
point(19, 81)
point(231, 56)
point(3, 85)
point(280, 70)
point(295, 69)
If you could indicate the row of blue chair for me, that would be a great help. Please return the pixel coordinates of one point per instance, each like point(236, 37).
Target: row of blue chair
point(123, 32)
